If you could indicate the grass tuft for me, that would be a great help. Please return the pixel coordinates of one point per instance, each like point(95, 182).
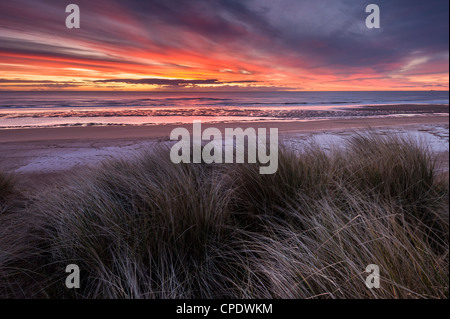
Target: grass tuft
point(7, 185)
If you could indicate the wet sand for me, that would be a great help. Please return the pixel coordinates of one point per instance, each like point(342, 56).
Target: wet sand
point(120, 133)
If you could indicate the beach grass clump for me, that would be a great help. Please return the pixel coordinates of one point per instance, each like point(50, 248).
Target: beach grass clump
point(139, 229)
point(17, 247)
point(147, 228)
point(403, 171)
point(7, 185)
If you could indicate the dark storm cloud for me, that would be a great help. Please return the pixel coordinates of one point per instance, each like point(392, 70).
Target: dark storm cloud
point(328, 32)
point(333, 33)
point(322, 33)
point(168, 82)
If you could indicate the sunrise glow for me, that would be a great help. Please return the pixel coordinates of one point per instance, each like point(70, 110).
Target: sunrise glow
point(221, 46)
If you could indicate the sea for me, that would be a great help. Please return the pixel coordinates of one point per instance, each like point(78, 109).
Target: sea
point(68, 108)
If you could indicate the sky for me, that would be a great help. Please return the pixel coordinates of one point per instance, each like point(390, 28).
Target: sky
point(224, 45)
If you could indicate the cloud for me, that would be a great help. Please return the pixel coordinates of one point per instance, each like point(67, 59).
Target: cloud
point(288, 43)
point(171, 82)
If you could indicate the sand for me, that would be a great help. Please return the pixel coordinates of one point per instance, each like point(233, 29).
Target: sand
point(43, 155)
point(134, 133)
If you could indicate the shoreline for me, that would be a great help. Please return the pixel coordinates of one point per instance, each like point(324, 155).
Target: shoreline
point(120, 116)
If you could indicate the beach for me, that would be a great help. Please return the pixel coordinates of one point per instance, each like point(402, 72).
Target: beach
point(43, 155)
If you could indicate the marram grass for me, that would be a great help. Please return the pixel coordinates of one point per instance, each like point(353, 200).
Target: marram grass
point(147, 228)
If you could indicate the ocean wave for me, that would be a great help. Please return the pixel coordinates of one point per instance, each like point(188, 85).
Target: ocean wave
point(225, 112)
